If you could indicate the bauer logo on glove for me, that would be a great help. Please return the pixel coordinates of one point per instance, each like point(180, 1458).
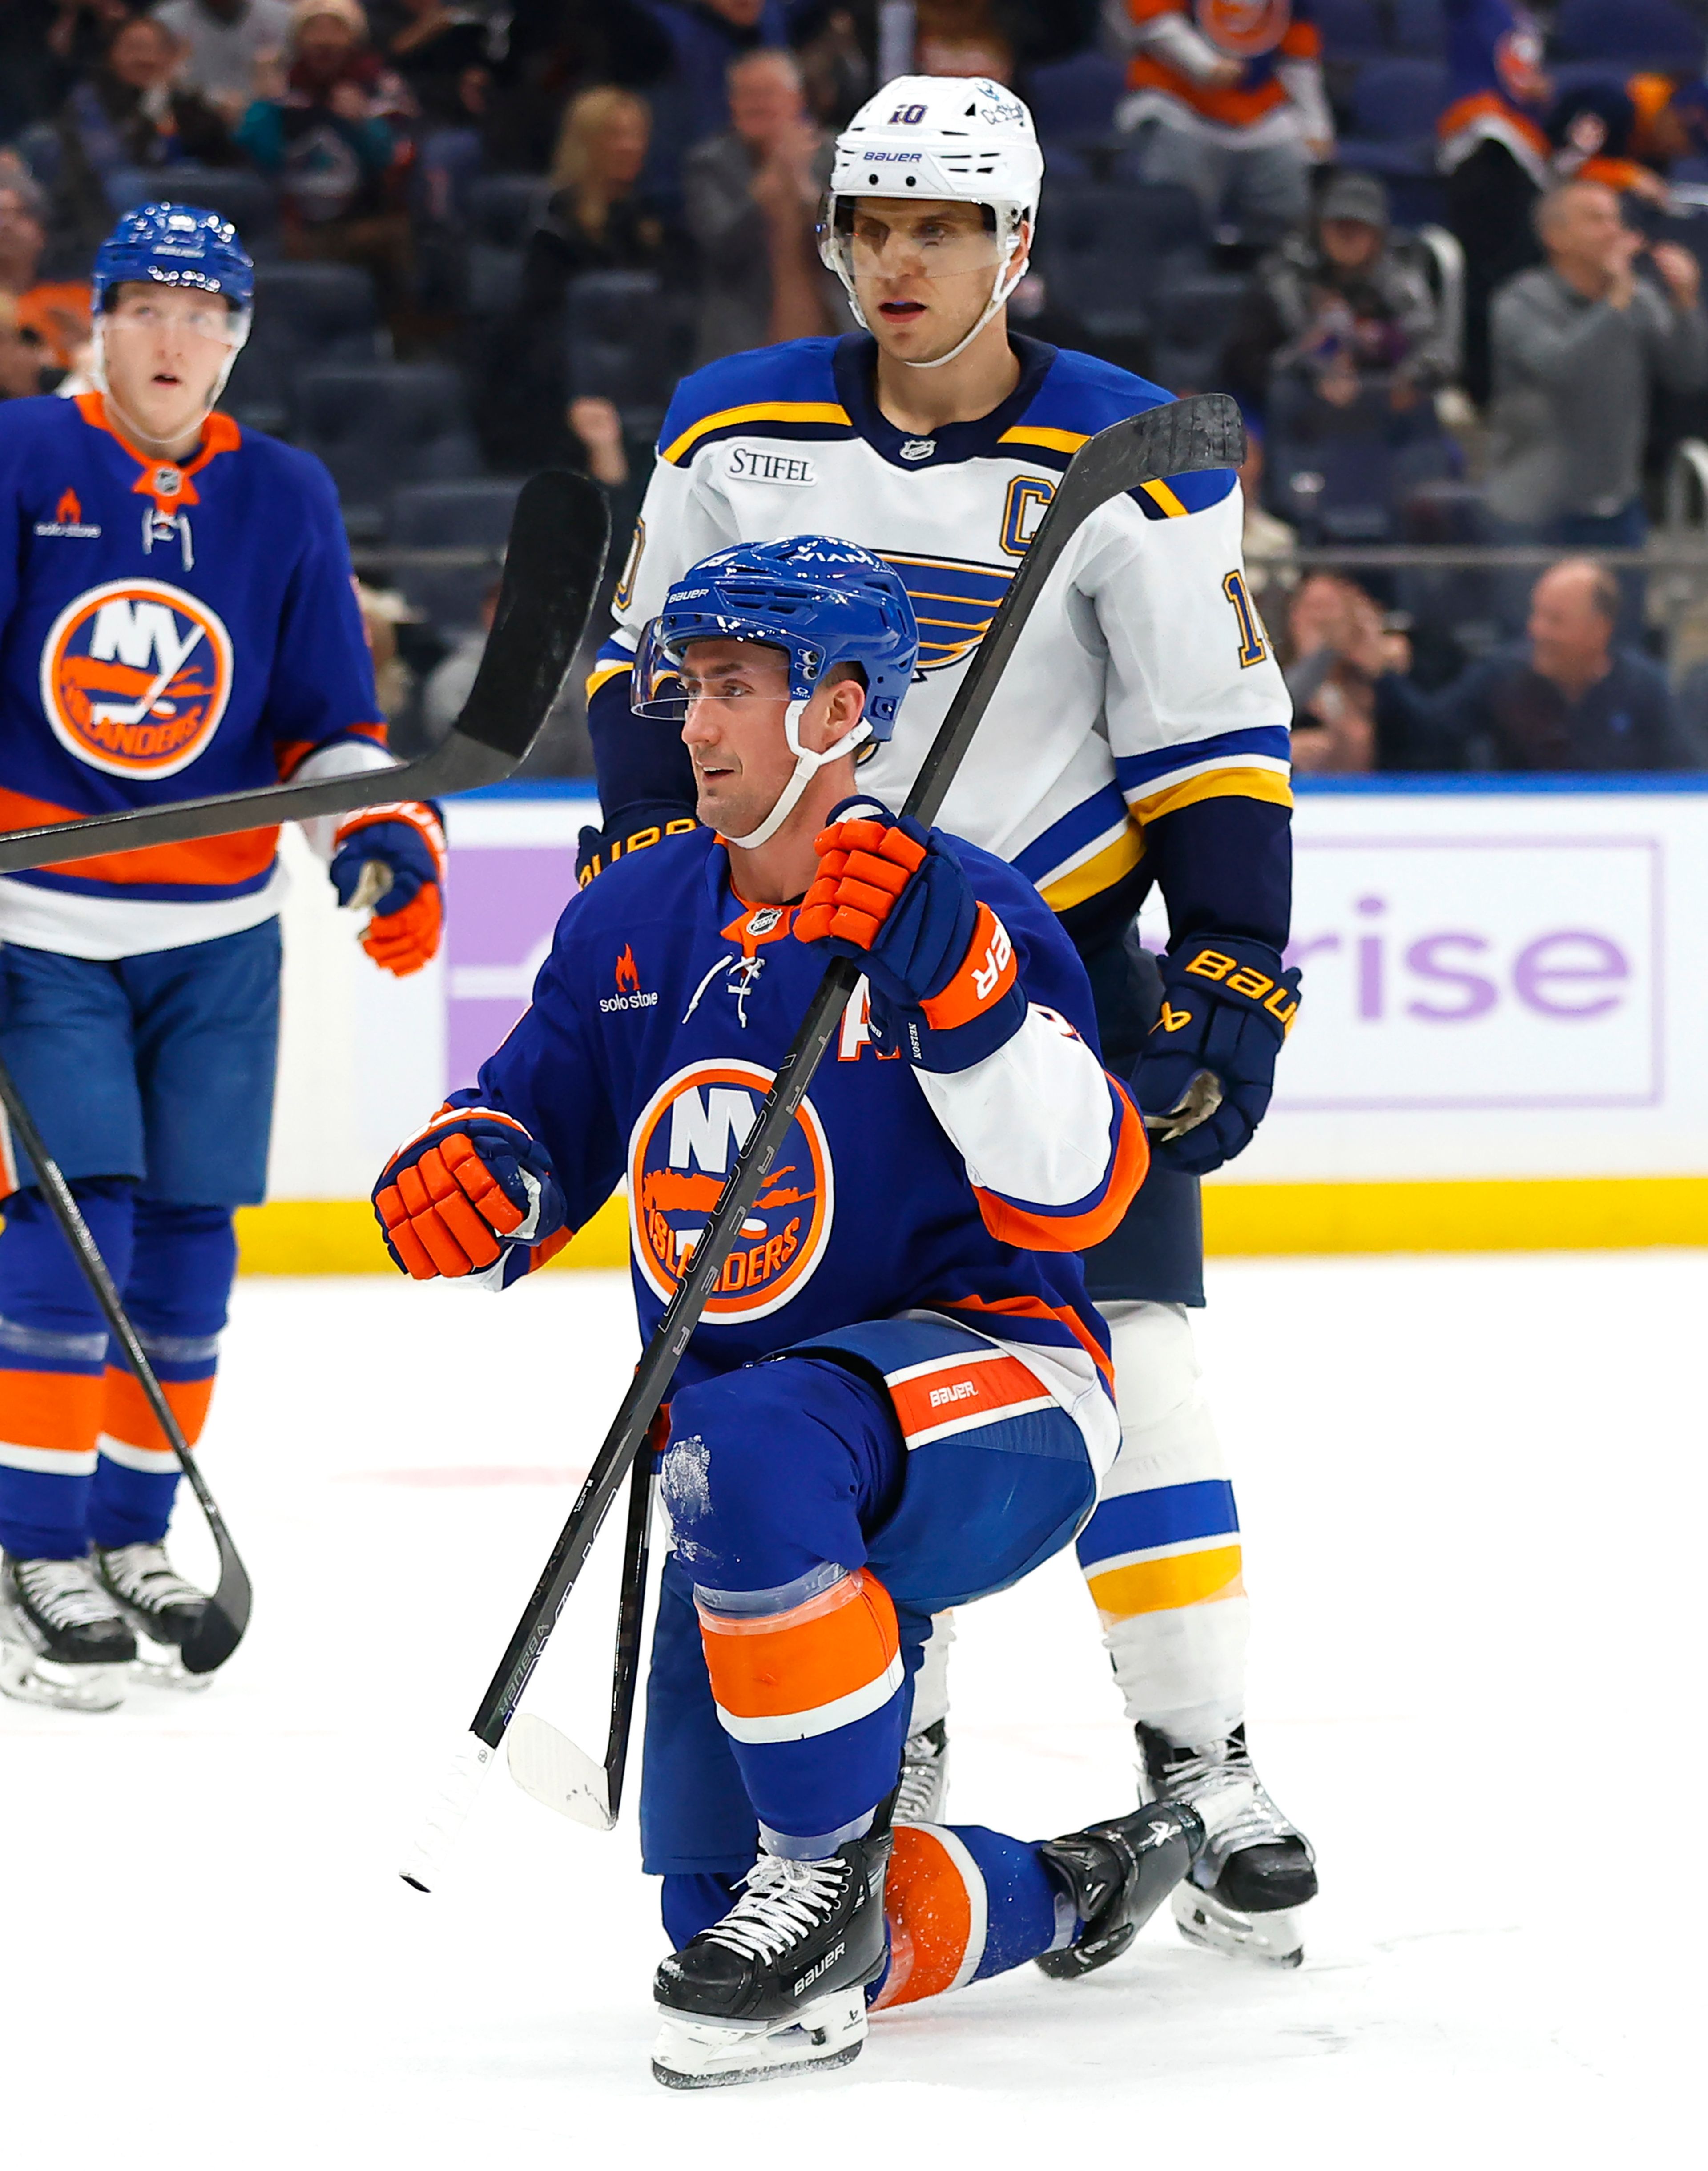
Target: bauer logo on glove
point(1205, 1075)
point(939, 963)
point(470, 1193)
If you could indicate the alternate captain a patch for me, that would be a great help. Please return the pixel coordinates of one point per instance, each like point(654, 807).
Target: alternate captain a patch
point(135, 677)
point(681, 1151)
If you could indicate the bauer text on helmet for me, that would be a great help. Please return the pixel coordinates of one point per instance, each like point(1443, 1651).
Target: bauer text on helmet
point(814, 603)
point(934, 141)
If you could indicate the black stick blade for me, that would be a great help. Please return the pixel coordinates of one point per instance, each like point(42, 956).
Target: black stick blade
point(557, 537)
point(222, 1625)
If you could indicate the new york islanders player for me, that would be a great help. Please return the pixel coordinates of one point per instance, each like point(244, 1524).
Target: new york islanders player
point(176, 618)
point(1139, 737)
point(898, 1397)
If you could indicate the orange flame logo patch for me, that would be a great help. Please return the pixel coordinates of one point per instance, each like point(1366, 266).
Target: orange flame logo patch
point(69, 513)
point(628, 972)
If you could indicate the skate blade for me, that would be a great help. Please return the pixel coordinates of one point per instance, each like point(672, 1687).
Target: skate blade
point(703, 2054)
point(28, 1677)
point(168, 1672)
point(1272, 1940)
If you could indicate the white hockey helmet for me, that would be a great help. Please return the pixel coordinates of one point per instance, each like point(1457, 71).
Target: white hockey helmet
point(962, 139)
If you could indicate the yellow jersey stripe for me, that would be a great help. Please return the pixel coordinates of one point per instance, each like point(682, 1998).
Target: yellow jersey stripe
point(602, 674)
point(1215, 783)
point(1054, 441)
point(1096, 875)
point(1158, 493)
point(760, 410)
point(1156, 1586)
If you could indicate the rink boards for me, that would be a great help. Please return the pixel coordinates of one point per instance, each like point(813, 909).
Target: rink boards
point(1503, 1042)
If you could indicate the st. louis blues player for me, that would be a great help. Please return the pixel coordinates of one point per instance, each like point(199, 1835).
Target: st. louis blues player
point(176, 618)
point(899, 1395)
point(1139, 737)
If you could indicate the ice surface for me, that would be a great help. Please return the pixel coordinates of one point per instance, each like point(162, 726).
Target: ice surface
point(1473, 1490)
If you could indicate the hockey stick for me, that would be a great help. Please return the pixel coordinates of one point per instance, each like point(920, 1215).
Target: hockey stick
point(221, 1628)
point(1183, 438)
point(556, 552)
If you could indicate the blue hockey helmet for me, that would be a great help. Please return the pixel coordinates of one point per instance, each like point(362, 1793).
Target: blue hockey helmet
point(822, 602)
point(177, 245)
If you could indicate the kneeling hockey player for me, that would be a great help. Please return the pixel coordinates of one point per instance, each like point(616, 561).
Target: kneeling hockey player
point(178, 619)
point(899, 1397)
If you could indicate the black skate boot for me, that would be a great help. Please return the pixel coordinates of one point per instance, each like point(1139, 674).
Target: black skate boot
point(779, 1985)
point(1255, 1869)
point(923, 1793)
point(152, 1595)
point(63, 1639)
point(1117, 1874)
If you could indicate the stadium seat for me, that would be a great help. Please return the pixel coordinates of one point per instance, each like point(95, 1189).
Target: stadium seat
point(1109, 249)
point(1192, 320)
point(503, 209)
point(248, 201)
point(443, 516)
point(305, 314)
point(627, 341)
point(1075, 100)
point(1351, 29)
point(383, 424)
point(1641, 33)
point(1399, 101)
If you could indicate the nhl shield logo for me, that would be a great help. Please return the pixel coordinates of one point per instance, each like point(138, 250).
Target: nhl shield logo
point(680, 1153)
point(135, 677)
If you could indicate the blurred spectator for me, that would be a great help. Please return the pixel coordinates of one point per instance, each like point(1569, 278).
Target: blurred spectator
point(1579, 346)
point(130, 112)
point(1346, 309)
point(1567, 699)
point(1494, 153)
point(452, 678)
point(322, 132)
point(958, 37)
point(55, 313)
point(32, 74)
point(706, 38)
point(752, 199)
point(22, 356)
point(836, 71)
point(598, 219)
point(550, 50)
point(1339, 649)
point(383, 610)
point(1596, 130)
point(82, 30)
point(1268, 544)
point(219, 42)
point(440, 54)
point(1231, 103)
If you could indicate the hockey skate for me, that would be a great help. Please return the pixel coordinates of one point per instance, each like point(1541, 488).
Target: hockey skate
point(779, 1985)
point(162, 1610)
point(1256, 1870)
point(1117, 1874)
point(924, 1794)
point(63, 1641)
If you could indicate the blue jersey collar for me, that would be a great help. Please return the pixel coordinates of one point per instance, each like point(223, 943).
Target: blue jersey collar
point(854, 364)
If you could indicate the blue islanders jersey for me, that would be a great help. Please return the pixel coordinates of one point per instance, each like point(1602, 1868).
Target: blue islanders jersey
point(167, 631)
point(655, 1026)
point(1140, 731)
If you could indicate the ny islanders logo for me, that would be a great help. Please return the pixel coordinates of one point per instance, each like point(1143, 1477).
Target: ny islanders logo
point(681, 1151)
point(135, 677)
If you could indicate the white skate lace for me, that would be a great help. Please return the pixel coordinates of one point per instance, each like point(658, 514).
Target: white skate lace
point(916, 1797)
point(64, 1593)
point(783, 1900)
point(1220, 1784)
point(144, 1575)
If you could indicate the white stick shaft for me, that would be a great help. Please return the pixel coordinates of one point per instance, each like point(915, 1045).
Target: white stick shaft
point(446, 1813)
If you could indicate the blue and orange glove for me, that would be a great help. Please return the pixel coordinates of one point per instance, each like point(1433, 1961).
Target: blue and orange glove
point(404, 844)
point(892, 895)
point(1205, 1072)
point(470, 1187)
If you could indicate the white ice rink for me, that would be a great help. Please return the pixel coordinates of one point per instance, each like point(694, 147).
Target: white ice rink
point(1473, 1492)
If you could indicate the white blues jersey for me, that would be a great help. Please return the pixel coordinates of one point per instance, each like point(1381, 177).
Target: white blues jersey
point(1143, 684)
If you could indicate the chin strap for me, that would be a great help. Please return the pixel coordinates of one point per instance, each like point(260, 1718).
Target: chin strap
point(807, 765)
